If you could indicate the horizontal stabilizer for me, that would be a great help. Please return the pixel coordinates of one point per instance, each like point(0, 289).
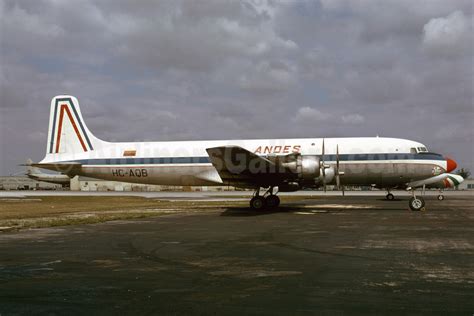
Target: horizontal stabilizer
point(69, 168)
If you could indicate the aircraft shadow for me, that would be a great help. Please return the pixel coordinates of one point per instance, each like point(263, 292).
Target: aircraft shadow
point(246, 211)
point(386, 206)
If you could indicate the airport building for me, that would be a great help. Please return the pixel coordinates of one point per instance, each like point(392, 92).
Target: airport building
point(25, 183)
point(10, 183)
point(91, 185)
point(468, 184)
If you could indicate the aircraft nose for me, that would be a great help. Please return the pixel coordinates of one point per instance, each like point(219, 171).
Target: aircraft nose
point(450, 165)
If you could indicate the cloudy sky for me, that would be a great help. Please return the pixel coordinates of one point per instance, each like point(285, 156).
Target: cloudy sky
point(177, 70)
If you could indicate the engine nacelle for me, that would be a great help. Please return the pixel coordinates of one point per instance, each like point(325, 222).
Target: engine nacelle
point(329, 174)
point(307, 168)
point(289, 187)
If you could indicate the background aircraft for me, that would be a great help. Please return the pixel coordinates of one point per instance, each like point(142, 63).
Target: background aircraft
point(36, 174)
point(278, 165)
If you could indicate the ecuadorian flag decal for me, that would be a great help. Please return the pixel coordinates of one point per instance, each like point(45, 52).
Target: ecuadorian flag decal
point(64, 109)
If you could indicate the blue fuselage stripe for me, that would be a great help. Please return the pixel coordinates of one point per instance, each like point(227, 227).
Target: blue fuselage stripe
point(191, 160)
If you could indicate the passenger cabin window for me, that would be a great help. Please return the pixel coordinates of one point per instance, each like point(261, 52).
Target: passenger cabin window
point(413, 150)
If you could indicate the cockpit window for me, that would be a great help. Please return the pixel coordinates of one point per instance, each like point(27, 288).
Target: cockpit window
point(416, 150)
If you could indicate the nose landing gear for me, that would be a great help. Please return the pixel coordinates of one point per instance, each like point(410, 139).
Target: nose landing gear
point(440, 196)
point(390, 196)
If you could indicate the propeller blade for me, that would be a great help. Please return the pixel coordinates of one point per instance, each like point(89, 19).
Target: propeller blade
point(338, 180)
point(338, 174)
point(323, 169)
point(322, 153)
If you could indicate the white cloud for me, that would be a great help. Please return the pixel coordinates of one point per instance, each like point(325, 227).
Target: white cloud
point(269, 77)
point(448, 35)
point(19, 19)
point(353, 119)
point(308, 114)
point(238, 69)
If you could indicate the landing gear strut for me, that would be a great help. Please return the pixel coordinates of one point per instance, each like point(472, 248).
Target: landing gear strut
point(268, 200)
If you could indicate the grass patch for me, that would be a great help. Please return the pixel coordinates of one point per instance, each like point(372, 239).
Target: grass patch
point(49, 211)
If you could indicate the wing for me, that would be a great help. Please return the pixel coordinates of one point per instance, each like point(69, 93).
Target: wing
point(240, 167)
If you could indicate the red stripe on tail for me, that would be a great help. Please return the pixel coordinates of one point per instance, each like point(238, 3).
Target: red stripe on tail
point(64, 107)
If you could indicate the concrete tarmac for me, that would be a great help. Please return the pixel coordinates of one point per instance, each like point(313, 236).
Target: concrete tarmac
point(217, 194)
point(326, 255)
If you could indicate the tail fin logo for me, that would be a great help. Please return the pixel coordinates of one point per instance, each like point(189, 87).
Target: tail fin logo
point(64, 106)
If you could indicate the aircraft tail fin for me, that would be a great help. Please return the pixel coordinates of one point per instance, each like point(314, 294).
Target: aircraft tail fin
point(67, 132)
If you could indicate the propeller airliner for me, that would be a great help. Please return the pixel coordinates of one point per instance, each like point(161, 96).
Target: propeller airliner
point(275, 165)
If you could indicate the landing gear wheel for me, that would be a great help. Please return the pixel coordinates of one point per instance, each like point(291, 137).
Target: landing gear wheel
point(440, 197)
point(390, 197)
point(257, 203)
point(417, 203)
point(272, 201)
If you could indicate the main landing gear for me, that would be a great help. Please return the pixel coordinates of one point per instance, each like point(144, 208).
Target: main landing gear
point(267, 200)
point(417, 203)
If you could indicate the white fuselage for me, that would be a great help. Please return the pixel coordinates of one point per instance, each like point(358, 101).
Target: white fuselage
point(363, 160)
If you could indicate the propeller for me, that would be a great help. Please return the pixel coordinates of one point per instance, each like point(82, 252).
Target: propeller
point(338, 174)
point(323, 169)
